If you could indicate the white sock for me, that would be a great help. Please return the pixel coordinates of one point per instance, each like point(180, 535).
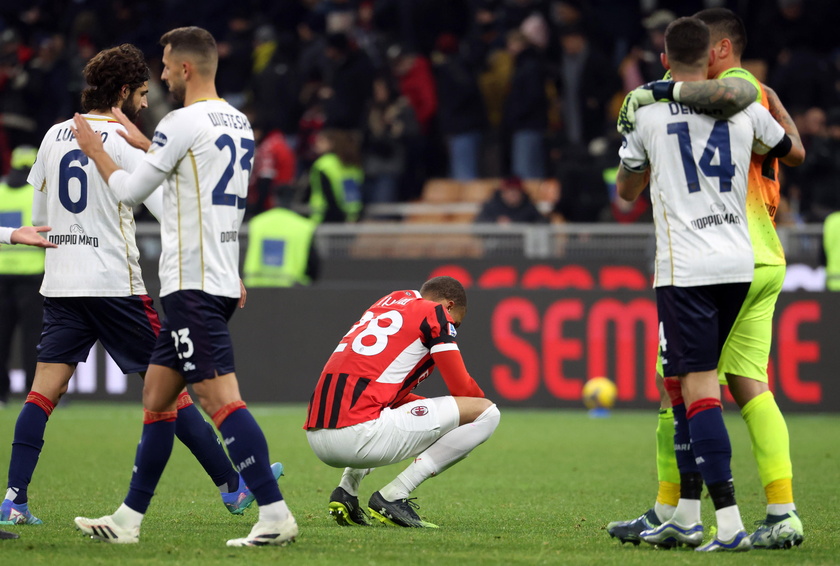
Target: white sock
point(728, 522)
point(448, 450)
point(277, 511)
point(352, 478)
point(11, 493)
point(663, 511)
point(127, 518)
point(772, 508)
point(687, 512)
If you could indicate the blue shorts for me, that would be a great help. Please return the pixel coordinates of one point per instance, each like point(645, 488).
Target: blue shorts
point(694, 323)
point(127, 327)
point(194, 339)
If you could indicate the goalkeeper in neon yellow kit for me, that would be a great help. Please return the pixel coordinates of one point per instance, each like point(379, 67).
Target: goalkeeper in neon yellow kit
point(743, 363)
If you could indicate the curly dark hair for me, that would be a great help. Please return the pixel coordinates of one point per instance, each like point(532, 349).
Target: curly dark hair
point(108, 71)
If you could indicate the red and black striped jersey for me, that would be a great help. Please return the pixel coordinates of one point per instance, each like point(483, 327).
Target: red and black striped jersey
point(383, 357)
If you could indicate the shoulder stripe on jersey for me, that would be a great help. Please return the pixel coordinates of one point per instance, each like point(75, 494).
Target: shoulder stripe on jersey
point(325, 391)
point(180, 236)
point(411, 381)
point(200, 221)
point(426, 329)
point(359, 388)
point(441, 318)
point(127, 250)
point(444, 347)
point(335, 410)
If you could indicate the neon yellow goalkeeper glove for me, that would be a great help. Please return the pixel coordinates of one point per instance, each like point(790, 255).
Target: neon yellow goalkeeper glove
point(656, 91)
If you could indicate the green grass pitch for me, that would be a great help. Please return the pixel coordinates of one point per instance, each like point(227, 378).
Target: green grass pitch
point(540, 491)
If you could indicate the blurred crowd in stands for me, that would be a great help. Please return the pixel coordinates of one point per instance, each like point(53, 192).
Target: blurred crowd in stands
point(402, 91)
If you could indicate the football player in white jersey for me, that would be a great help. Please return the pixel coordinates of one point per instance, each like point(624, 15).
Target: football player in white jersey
point(27, 235)
point(697, 164)
point(203, 154)
point(92, 284)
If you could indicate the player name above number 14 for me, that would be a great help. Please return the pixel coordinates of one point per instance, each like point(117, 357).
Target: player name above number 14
point(676, 108)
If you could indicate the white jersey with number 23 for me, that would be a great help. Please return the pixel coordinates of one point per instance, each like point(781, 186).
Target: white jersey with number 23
point(207, 150)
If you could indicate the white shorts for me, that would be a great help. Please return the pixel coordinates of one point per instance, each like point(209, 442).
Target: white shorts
point(396, 435)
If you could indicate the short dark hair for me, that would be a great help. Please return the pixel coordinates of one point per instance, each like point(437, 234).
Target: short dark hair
point(108, 71)
point(725, 23)
point(197, 42)
point(687, 42)
point(445, 287)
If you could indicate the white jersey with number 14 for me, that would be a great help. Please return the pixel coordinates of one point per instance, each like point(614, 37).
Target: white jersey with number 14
point(698, 186)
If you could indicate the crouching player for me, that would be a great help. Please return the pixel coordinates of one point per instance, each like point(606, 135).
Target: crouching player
point(363, 415)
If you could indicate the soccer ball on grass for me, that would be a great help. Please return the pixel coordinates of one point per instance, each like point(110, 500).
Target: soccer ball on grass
point(599, 394)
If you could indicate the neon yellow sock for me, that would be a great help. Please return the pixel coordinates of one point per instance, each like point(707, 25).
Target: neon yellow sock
point(770, 446)
point(779, 491)
point(668, 494)
point(666, 458)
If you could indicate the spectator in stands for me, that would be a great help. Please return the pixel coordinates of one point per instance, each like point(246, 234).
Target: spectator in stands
point(348, 78)
point(368, 36)
point(235, 48)
point(583, 191)
point(274, 169)
point(310, 126)
point(525, 117)
point(642, 65)
point(461, 112)
point(417, 84)
point(819, 176)
point(831, 251)
point(788, 26)
point(281, 247)
point(335, 179)
point(510, 203)
point(276, 72)
point(276, 88)
point(21, 272)
point(586, 82)
point(20, 96)
point(49, 72)
point(390, 123)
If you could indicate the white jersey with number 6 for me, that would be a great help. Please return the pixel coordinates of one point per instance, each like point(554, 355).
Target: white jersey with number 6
point(698, 186)
point(96, 254)
point(207, 150)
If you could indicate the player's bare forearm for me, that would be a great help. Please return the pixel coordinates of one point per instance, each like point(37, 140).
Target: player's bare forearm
point(780, 113)
point(90, 143)
point(731, 95)
point(631, 184)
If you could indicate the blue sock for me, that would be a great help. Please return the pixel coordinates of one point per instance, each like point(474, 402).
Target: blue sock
point(691, 482)
point(26, 448)
point(682, 442)
point(710, 443)
point(199, 436)
point(152, 455)
point(249, 451)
